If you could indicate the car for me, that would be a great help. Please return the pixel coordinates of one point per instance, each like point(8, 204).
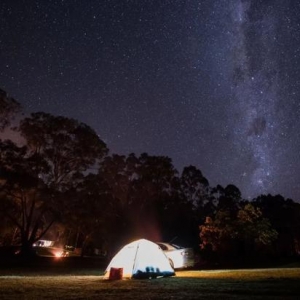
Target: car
point(179, 257)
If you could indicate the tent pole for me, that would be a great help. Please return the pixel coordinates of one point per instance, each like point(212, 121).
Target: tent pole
point(137, 248)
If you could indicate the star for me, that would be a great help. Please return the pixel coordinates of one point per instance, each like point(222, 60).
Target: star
point(213, 84)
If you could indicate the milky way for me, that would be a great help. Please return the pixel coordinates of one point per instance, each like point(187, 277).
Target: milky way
point(260, 124)
point(256, 91)
point(215, 84)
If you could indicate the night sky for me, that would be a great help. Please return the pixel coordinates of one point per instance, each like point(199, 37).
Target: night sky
point(212, 83)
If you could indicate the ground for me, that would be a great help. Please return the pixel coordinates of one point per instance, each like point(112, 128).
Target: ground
point(86, 282)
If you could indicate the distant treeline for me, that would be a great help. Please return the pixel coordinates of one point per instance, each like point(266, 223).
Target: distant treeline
point(63, 184)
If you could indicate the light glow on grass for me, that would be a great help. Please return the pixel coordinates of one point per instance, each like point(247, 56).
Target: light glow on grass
point(275, 284)
point(246, 274)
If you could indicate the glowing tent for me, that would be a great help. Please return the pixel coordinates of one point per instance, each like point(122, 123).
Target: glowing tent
point(140, 259)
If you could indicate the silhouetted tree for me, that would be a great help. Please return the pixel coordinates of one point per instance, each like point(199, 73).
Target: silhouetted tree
point(26, 201)
point(284, 215)
point(119, 173)
point(194, 186)
point(8, 108)
point(88, 213)
point(228, 198)
point(141, 188)
point(69, 147)
point(58, 153)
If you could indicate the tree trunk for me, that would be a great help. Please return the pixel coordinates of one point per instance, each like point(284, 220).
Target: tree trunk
point(27, 249)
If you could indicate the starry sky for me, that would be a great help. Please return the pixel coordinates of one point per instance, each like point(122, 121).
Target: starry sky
point(215, 84)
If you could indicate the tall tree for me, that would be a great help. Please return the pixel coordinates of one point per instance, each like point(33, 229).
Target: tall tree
point(89, 211)
point(8, 107)
point(195, 186)
point(118, 171)
point(69, 147)
point(196, 190)
point(151, 193)
point(141, 187)
point(25, 199)
point(58, 154)
point(284, 215)
point(228, 198)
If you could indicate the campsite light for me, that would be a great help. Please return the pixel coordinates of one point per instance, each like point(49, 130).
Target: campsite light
point(58, 254)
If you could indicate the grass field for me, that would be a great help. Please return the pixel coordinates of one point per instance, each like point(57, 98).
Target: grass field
point(85, 283)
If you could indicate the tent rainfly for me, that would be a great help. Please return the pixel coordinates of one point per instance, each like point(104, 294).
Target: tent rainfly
point(140, 259)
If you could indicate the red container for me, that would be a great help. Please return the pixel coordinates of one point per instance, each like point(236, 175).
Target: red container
point(115, 273)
